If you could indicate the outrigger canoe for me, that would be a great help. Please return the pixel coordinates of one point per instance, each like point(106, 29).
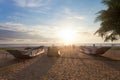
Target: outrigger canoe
point(26, 54)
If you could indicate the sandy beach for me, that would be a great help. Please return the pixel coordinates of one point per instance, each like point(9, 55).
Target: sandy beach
point(72, 65)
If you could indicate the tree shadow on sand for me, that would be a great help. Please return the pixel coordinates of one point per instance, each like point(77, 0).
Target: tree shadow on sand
point(36, 70)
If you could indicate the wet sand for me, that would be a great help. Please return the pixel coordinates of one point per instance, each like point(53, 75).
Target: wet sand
point(73, 65)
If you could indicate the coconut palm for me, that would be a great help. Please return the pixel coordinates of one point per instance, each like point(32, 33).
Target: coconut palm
point(110, 20)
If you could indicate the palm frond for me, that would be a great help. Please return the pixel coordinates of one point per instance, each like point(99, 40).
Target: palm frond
point(110, 21)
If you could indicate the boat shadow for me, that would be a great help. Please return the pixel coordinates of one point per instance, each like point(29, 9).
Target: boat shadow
point(36, 70)
point(115, 64)
point(7, 61)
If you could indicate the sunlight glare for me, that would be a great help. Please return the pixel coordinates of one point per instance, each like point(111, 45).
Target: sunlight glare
point(67, 36)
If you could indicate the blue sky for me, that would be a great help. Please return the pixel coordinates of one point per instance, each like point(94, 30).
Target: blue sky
point(37, 21)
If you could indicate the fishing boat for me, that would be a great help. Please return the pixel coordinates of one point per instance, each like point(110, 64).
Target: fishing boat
point(26, 54)
point(94, 50)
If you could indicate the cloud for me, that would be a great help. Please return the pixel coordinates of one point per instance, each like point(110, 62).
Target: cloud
point(78, 17)
point(72, 15)
point(66, 17)
point(14, 27)
point(31, 3)
point(85, 33)
point(11, 32)
point(39, 34)
point(22, 37)
point(16, 16)
point(17, 35)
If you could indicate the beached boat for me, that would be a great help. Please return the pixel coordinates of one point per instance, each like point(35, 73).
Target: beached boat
point(94, 50)
point(26, 54)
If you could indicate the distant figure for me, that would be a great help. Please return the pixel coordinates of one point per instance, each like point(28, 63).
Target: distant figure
point(94, 49)
point(6, 54)
point(112, 45)
point(93, 45)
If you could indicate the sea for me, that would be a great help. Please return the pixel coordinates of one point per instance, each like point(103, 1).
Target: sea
point(78, 44)
point(19, 45)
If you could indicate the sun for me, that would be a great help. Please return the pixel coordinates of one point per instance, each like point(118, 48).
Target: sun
point(67, 36)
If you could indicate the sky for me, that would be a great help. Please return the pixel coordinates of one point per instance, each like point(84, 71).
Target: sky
point(38, 21)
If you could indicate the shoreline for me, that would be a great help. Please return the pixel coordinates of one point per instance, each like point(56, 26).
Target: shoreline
point(77, 44)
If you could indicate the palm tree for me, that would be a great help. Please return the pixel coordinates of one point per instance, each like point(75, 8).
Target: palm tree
point(110, 20)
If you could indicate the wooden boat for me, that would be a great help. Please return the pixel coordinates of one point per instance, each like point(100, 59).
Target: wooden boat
point(91, 50)
point(26, 54)
point(102, 50)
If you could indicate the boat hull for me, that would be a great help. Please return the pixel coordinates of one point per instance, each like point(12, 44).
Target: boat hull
point(19, 55)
